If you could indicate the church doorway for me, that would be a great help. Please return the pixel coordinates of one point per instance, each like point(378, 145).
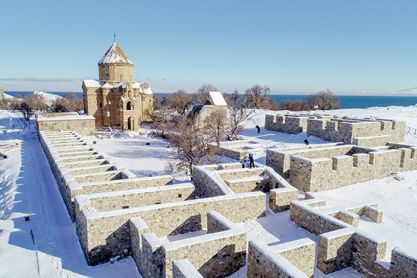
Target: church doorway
point(130, 123)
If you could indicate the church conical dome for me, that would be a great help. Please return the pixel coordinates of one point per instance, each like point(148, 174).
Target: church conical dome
point(115, 55)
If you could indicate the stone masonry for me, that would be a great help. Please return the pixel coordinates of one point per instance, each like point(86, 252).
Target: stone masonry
point(362, 132)
point(342, 244)
point(328, 167)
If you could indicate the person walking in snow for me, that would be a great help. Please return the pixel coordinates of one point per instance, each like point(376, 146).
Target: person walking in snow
point(251, 161)
point(258, 129)
point(306, 142)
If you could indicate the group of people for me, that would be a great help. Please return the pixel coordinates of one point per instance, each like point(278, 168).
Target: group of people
point(249, 163)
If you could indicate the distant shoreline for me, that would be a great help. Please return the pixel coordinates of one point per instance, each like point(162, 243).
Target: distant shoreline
point(346, 101)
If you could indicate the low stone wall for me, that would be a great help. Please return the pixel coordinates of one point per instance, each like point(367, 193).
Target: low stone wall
point(341, 245)
point(286, 123)
point(281, 193)
point(346, 130)
point(238, 149)
point(106, 234)
point(328, 167)
point(232, 179)
point(279, 159)
point(82, 124)
point(65, 151)
point(363, 132)
point(207, 184)
point(291, 259)
point(218, 253)
point(184, 269)
point(124, 199)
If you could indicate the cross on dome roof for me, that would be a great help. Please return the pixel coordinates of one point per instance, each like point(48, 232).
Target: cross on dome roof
point(115, 55)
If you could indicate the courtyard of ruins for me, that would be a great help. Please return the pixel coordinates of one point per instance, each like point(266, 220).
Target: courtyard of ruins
point(334, 208)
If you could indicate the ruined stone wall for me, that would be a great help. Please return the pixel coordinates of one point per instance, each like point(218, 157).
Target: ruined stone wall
point(328, 173)
point(296, 261)
point(81, 124)
point(238, 149)
point(342, 245)
point(287, 124)
point(280, 158)
point(214, 255)
point(103, 234)
point(352, 130)
point(184, 269)
point(138, 197)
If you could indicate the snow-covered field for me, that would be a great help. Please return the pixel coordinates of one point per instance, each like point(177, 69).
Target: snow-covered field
point(47, 245)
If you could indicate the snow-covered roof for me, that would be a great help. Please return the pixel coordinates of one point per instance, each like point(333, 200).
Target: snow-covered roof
point(89, 83)
point(144, 87)
point(115, 55)
point(216, 98)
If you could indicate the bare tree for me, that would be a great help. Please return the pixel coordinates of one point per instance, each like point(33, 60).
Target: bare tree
point(36, 102)
point(179, 101)
point(26, 110)
point(202, 93)
point(257, 96)
point(192, 143)
point(161, 116)
point(238, 113)
point(323, 100)
point(215, 125)
point(69, 102)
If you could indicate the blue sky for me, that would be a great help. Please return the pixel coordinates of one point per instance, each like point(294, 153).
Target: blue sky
point(291, 46)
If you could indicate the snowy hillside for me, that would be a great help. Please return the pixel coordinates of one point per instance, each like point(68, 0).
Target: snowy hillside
point(3, 95)
point(47, 97)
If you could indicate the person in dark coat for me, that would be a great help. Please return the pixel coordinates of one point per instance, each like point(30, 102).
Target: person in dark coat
point(258, 129)
point(306, 142)
point(251, 161)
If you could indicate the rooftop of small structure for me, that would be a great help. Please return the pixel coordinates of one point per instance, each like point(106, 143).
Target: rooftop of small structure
point(216, 98)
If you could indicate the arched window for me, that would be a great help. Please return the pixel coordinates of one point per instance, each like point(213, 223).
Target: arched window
point(129, 106)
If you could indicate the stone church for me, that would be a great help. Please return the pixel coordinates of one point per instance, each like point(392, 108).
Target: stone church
point(116, 99)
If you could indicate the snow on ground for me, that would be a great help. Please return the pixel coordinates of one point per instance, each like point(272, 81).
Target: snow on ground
point(131, 152)
point(398, 201)
point(47, 245)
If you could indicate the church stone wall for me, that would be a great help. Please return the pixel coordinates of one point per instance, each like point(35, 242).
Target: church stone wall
point(116, 72)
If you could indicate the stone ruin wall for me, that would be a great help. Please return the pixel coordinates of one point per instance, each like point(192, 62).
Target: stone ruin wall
point(290, 259)
point(230, 178)
point(111, 211)
point(288, 124)
point(363, 132)
point(324, 168)
point(237, 149)
point(341, 245)
point(107, 227)
point(106, 234)
point(50, 122)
